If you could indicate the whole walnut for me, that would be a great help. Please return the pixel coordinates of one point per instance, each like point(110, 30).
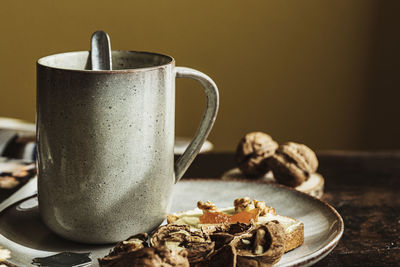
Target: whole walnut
point(253, 153)
point(293, 164)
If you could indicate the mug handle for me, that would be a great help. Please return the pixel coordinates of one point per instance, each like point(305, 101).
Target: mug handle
point(209, 115)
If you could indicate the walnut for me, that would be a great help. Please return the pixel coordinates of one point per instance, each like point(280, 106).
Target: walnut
point(221, 239)
point(264, 209)
point(238, 228)
point(225, 256)
point(131, 244)
point(207, 206)
point(244, 204)
point(263, 246)
point(253, 153)
point(230, 228)
point(149, 257)
point(180, 237)
point(293, 164)
point(224, 234)
point(134, 251)
point(171, 218)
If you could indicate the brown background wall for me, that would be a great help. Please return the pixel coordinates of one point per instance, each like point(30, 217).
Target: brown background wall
point(325, 73)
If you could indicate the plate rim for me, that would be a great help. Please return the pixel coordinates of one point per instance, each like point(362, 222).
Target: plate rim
point(303, 260)
point(306, 259)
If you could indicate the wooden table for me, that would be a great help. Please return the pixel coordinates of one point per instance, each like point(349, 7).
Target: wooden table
point(364, 187)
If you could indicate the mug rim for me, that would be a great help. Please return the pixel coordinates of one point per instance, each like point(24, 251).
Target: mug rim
point(170, 59)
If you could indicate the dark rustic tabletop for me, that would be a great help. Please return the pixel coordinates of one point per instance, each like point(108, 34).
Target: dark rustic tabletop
point(364, 187)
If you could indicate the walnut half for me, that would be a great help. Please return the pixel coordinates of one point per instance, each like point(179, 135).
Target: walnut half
point(207, 206)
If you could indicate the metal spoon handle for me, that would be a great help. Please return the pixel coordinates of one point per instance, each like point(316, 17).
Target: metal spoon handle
point(100, 51)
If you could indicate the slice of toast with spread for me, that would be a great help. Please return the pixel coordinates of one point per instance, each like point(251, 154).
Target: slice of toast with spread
point(247, 234)
point(245, 211)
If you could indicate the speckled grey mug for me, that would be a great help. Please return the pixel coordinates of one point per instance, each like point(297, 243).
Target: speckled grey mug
point(106, 143)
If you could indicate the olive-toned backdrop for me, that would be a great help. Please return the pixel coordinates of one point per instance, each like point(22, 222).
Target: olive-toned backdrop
point(324, 73)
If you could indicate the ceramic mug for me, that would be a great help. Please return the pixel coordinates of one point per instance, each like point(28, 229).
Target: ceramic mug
point(106, 140)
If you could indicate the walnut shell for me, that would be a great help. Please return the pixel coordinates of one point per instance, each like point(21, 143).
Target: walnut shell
point(237, 228)
point(253, 153)
point(180, 237)
point(149, 257)
point(223, 234)
point(293, 164)
point(263, 246)
point(131, 244)
point(267, 245)
point(225, 256)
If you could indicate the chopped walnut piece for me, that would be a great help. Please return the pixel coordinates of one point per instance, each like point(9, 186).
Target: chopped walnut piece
point(172, 218)
point(207, 206)
point(264, 209)
point(244, 204)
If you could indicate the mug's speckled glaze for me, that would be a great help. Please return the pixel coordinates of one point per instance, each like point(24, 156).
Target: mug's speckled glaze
point(105, 143)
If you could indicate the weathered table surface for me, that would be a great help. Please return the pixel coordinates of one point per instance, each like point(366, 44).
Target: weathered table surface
point(364, 187)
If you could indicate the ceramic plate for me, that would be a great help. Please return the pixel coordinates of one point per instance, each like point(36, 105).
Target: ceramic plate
point(24, 234)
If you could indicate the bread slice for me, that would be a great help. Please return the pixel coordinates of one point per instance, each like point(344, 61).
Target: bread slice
point(294, 229)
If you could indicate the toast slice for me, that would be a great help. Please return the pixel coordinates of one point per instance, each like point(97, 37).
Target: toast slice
point(294, 229)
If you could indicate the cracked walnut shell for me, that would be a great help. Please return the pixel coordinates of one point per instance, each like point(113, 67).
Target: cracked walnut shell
point(181, 237)
point(253, 153)
point(150, 257)
point(262, 246)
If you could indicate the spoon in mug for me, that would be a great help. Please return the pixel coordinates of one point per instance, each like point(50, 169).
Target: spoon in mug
point(100, 53)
